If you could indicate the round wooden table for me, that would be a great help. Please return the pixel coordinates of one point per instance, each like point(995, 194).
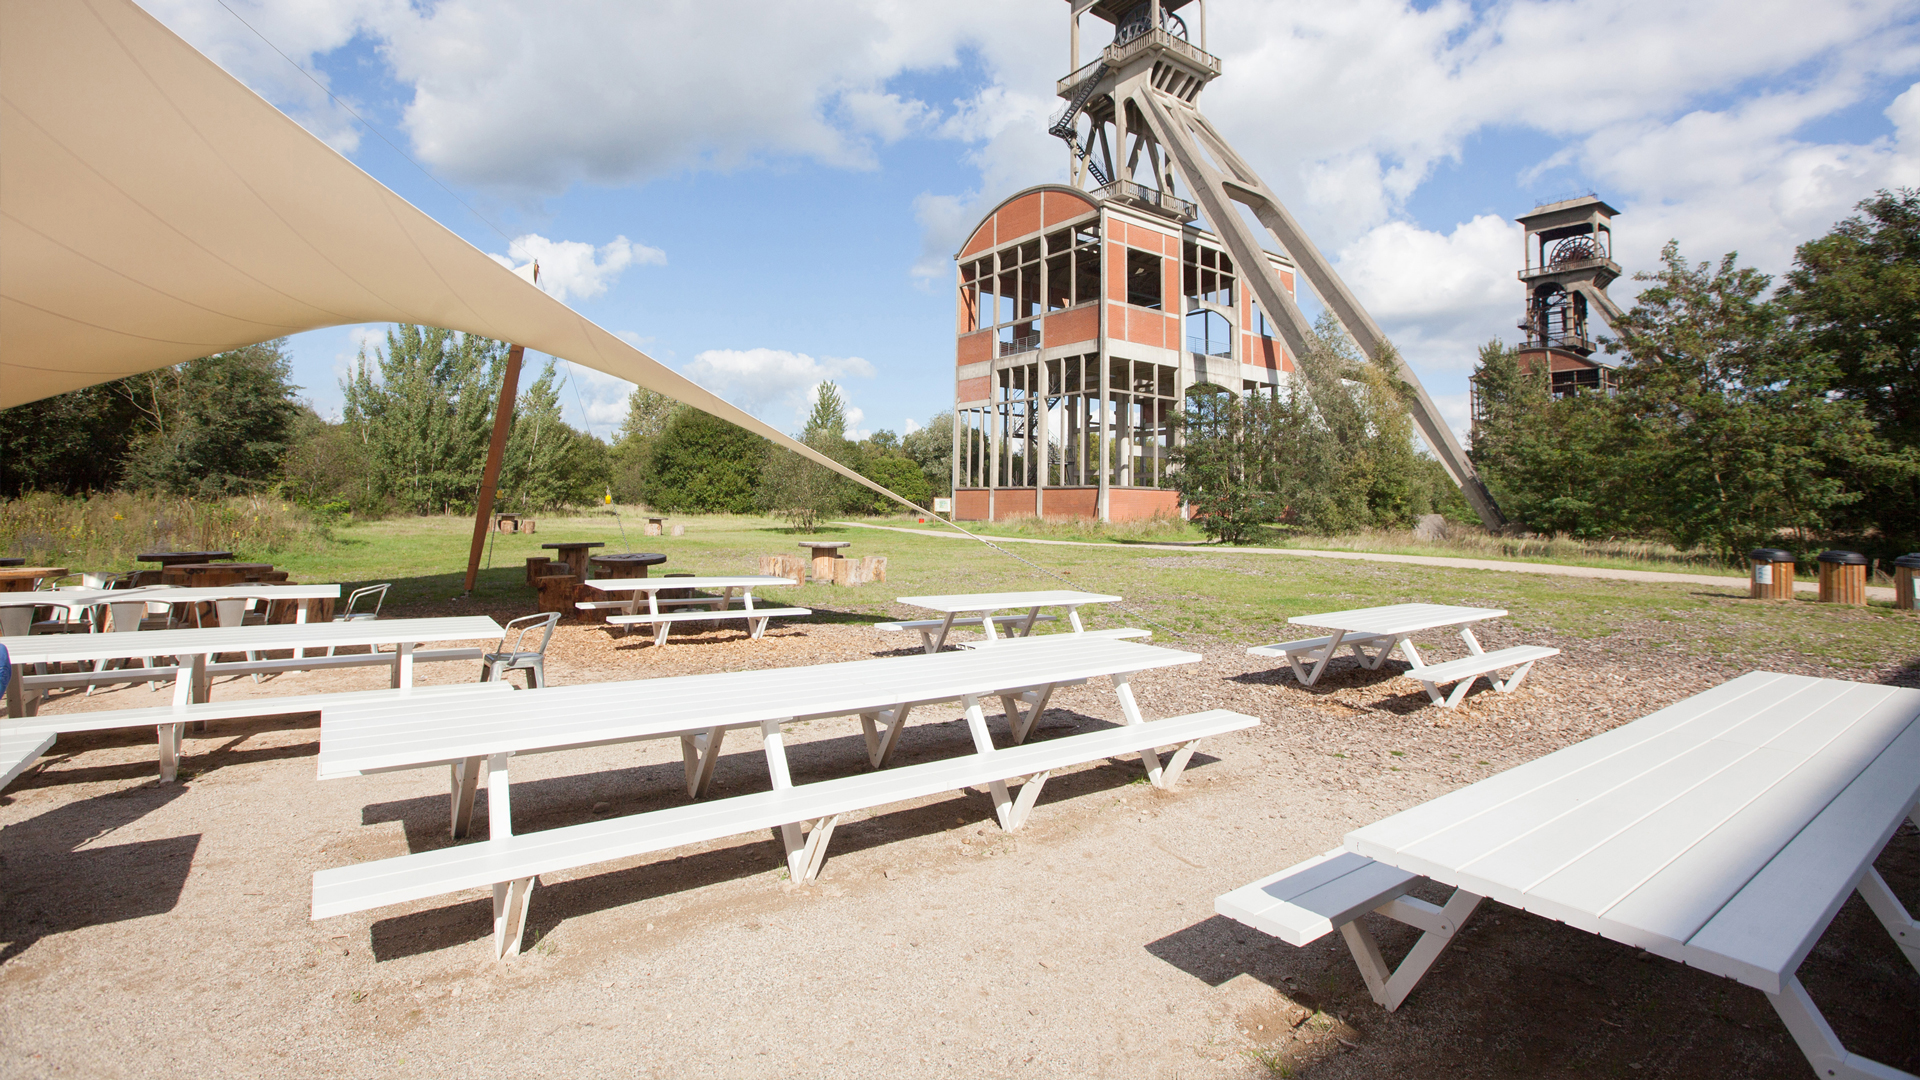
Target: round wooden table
point(632, 564)
point(574, 554)
point(825, 549)
point(175, 558)
point(193, 574)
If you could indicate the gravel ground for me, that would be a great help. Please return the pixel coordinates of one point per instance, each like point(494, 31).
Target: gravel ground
point(150, 930)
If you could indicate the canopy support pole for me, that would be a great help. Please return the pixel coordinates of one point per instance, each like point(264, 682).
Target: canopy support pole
point(496, 449)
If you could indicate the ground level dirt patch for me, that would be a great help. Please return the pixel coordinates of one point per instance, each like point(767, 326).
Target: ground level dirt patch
point(151, 930)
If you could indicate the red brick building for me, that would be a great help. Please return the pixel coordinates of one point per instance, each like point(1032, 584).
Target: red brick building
point(1083, 319)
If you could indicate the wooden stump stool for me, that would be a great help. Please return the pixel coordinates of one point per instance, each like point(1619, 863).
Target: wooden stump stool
point(537, 568)
point(786, 566)
point(556, 593)
point(1843, 578)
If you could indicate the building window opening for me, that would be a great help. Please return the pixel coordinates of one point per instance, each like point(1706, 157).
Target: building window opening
point(1143, 279)
point(1209, 333)
point(1206, 277)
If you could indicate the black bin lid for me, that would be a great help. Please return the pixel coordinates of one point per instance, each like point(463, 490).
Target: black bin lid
point(1911, 562)
point(1770, 555)
point(1844, 558)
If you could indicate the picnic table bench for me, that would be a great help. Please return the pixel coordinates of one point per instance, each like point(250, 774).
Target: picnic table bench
point(1385, 629)
point(933, 632)
point(712, 608)
point(511, 865)
point(1723, 832)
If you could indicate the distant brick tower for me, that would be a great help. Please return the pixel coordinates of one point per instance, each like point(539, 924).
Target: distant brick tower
point(1569, 264)
point(1132, 127)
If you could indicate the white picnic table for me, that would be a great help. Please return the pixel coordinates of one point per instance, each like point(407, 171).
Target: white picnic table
point(1723, 832)
point(195, 648)
point(1382, 628)
point(700, 709)
point(716, 607)
point(229, 600)
point(933, 633)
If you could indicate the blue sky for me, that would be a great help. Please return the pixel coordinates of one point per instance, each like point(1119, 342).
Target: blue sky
point(766, 195)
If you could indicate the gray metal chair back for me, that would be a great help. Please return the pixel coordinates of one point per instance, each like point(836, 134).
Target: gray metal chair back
point(496, 664)
point(379, 594)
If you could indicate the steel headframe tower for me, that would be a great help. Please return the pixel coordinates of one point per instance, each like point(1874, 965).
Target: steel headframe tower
point(1137, 101)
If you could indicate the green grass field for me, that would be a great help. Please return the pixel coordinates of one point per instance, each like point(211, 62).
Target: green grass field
point(1212, 592)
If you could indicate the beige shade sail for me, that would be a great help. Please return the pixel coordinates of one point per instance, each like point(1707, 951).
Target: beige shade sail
point(153, 209)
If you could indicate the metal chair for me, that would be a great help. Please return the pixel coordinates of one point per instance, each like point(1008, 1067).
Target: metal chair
point(495, 665)
point(348, 614)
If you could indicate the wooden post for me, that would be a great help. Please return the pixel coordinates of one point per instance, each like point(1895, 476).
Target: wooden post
point(490, 477)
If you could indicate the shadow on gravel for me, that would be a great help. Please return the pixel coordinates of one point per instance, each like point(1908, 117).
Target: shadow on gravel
point(57, 883)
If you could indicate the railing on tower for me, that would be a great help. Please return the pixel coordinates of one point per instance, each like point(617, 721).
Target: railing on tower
point(1127, 191)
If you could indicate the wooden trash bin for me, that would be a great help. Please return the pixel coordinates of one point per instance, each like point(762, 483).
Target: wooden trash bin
point(1906, 582)
point(1771, 574)
point(537, 568)
point(1843, 578)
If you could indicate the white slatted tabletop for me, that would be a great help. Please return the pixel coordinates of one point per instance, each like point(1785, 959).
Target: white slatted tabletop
point(1691, 832)
point(195, 646)
point(701, 708)
point(245, 590)
point(1389, 628)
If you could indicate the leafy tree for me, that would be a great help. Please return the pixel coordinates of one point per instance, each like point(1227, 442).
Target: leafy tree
point(829, 416)
point(326, 468)
point(220, 425)
point(648, 414)
point(931, 448)
point(1553, 466)
point(547, 463)
point(70, 443)
point(701, 463)
point(1853, 298)
point(1219, 464)
point(426, 419)
point(1729, 443)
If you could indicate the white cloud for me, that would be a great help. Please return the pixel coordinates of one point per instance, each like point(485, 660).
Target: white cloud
point(1439, 297)
point(910, 426)
point(573, 268)
point(770, 382)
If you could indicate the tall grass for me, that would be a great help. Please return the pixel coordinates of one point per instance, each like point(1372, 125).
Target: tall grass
point(105, 532)
point(1473, 542)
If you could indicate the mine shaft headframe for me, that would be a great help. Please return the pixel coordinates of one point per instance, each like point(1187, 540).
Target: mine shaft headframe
point(1146, 87)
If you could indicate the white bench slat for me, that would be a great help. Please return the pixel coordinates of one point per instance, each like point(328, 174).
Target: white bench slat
point(236, 709)
point(1309, 900)
point(701, 616)
point(1468, 668)
point(935, 624)
point(18, 751)
point(1118, 633)
point(1285, 649)
point(363, 886)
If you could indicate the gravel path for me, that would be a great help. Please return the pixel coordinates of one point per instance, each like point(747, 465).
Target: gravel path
point(149, 930)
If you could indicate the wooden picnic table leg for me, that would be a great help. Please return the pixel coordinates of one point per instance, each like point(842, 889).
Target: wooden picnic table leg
point(882, 730)
point(1129, 708)
point(1036, 701)
point(1003, 803)
point(1892, 913)
point(939, 640)
point(402, 665)
point(499, 798)
point(1319, 666)
point(465, 779)
point(1026, 627)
